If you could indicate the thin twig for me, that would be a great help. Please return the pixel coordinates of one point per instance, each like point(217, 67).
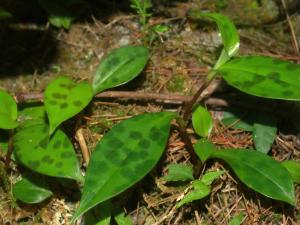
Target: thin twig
point(294, 38)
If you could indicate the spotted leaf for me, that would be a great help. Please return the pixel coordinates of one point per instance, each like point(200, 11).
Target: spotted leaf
point(120, 66)
point(228, 31)
point(64, 99)
point(124, 156)
point(263, 76)
point(260, 172)
point(8, 111)
point(31, 189)
point(52, 157)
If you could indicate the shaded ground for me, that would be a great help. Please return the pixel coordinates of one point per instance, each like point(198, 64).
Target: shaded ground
point(32, 54)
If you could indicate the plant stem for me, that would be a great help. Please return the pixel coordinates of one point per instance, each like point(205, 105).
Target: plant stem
point(10, 148)
point(189, 106)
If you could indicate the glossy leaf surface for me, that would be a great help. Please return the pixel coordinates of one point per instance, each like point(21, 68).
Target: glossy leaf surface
point(200, 190)
point(263, 76)
point(31, 189)
point(294, 169)
point(55, 157)
point(264, 135)
point(31, 116)
point(228, 31)
point(64, 99)
point(202, 121)
point(120, 66)
point(8, 111)
point(203, 149)
point(260, 172)
point(179, 172)
point(124, 156)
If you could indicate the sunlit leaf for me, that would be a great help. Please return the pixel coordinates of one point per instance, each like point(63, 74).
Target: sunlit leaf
point(120, 66)
point(124, 156)
point(260, 172)
point(64, 99)
point(8, 111)
point(122, 219)
point(264, 134)
point(228, 31)
point(237, 220)
point(200, 190)
point(263, 76)
point(31, 189)
point(55, 157)
point(204, 148)
point(294, 169)
point(210, 177)
point(179, 172)
point(202, 121)
point(30, 116)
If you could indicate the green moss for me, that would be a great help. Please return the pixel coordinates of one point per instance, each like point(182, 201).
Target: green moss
point(176, 84)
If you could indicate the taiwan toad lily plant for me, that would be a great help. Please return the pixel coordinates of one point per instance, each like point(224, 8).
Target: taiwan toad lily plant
point(132, 148)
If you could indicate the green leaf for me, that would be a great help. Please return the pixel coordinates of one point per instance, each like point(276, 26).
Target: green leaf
point(61, 13)
point(294, 169)
point(239, 120)
point(8, 111)
point(120, 66)
point(263, 76)
point(210, 177)
point(64, 99)
point(200, 190)
point(237, 220)
point(260, 172)
point(228, 31)
point(264, 134)
point(4, 14)
point(124, 156)
point(31, 189)
point(204, 149)
point(31, 116)
point(179, 172)
point(54, 157)
point(122, 219)
point(202, 121)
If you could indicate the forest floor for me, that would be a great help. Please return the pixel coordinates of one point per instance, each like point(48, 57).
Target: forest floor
point(32, 54)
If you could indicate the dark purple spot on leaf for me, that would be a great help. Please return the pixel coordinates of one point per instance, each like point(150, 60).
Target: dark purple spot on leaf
point(77, 103)
point(58, 165)
point(274, 76)
point(66, 154)
point(287, 93)
point(56, 95)
point(144, 143)
point(44, 143)
point(292, 67)
point(135, 135)
point(57, 144)
point(63, 105)
point(47, 159)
